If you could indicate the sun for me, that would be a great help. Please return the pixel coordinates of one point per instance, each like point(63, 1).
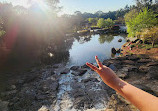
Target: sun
point(38, 5)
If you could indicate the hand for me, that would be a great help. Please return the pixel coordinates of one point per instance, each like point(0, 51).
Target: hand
point(107, 75)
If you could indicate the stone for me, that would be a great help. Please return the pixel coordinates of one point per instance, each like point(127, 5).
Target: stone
point(152, 64)
point(128, 62)
point(153, 72)
point(118, 50)
point(4, 105)
point(79, 72)
point(144, 60)
point(122, 75)
point(13, 87)
point(113, 67)
point(56, 66)
point(65, 71)
point(120, 40)
point(113, 50)
point(74, 68)
point(133, 58)
point(43, 108)
point(127, 40)
point(90, 79)
point(84, 66)
point(143, 69)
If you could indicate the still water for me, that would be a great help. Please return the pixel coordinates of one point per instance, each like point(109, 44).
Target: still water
point(77, 51)
point(85, 49)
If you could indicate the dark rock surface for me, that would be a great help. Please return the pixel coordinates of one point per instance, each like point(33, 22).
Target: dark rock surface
point(59, 88)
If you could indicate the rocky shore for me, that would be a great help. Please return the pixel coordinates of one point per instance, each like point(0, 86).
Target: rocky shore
point(78, 88)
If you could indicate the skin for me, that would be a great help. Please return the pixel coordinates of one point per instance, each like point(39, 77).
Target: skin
point(141, 99)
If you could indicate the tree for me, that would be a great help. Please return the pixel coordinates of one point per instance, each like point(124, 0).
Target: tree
point(108, 23)
point(138, 22)
point(150, 35)
point(101, 23)
point(93, 21)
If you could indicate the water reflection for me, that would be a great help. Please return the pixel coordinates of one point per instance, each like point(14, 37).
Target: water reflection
point(105, 38)
point(83, 51)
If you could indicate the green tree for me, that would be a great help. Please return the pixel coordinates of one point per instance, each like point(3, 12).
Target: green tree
point(93, 21)
point(138, 22)
point(150, 35)
point(108, 23)
point(101, 23)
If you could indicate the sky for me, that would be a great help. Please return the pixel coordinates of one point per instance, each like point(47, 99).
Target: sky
point(92, 6)
point(70, 6)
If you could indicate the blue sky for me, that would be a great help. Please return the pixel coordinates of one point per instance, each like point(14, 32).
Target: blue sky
point(70, 6)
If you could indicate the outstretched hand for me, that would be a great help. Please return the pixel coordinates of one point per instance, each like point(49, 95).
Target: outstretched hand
point(107, 75)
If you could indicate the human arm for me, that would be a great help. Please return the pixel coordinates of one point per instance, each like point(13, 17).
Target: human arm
point(141, 99)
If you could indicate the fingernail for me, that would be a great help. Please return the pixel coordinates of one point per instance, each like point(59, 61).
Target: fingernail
point(87, 63)
point(96, 56)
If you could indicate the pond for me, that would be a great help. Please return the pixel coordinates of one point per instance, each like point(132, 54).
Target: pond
point(85, 49)
point(75, 52)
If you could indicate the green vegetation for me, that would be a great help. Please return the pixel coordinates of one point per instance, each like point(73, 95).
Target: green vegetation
point(107, 23)
point(139, 21)
point(151, 35)
point(101, 23)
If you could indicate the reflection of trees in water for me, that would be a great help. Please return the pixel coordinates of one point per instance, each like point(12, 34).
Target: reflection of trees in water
point(83, 39)
point(105, 38)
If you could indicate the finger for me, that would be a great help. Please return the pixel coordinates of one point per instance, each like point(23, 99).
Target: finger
point(92, 66)
point(98, 62)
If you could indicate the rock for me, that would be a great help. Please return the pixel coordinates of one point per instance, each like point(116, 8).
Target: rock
point(153, 72)
point(152, 64)
point(79, 72)
point(132, 68)
point(135, 40)
point(120, 40)
point(13, 87)
point(118, 50)
point(113, 50)
point(55, 66)
point(133, 58)
point(52, 72)
point(144, 60)
point(74, 68)
point(122, 75)
point(84, 66)
point(112, 67)
point(43, 108)
point(78, 93)
point(4, 105)
point(128, 62)
point(143, 69)
point(65, 71)
point(127, 40)
point(90, 79)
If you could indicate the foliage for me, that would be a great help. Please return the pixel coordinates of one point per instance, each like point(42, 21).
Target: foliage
point(105, 38)
point(150, 35)
point(109, 23)
point(93, 21)
point(138, 22)
point(101, 23)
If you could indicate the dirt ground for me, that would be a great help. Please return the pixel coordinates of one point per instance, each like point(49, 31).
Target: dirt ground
point(152, 53)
